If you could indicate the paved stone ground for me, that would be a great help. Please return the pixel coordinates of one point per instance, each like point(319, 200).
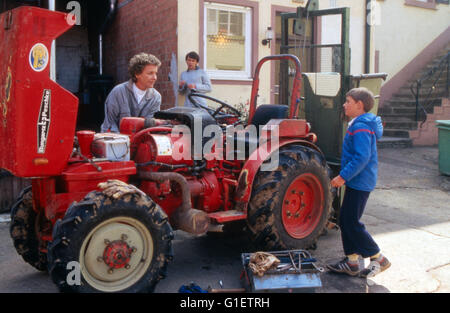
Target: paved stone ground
point(408, 214)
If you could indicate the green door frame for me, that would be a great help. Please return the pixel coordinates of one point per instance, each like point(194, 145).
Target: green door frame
point(305, 14)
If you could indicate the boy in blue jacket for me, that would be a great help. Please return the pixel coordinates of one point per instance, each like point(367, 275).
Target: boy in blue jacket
point(359, 166)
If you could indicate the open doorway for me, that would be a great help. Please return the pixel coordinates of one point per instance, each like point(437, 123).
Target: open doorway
point(78, 55)
point(78, 60)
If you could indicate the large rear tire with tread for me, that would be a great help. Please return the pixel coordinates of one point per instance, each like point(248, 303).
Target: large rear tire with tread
point(290, 206)
point(23, 231)
point(120, 245)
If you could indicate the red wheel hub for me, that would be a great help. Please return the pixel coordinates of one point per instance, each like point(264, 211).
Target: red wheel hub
point(117, 254)
point(302, 206)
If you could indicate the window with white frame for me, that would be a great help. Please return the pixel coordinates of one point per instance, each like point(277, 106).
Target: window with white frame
point(227, 41)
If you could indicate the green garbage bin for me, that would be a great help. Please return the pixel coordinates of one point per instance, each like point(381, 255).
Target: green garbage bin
point(444, 146)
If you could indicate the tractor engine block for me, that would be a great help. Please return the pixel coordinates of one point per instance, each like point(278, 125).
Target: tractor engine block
point(206, 192)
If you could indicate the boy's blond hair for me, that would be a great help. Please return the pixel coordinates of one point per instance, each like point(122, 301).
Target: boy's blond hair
point(139, 61)
point(364, 95)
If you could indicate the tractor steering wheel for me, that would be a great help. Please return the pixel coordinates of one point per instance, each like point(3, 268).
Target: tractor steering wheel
point(216, 114)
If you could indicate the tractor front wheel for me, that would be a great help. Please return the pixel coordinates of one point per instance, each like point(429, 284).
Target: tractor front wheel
point(290, 206)
point(118, 245)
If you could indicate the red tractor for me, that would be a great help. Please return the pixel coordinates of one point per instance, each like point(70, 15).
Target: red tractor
point(107, 204)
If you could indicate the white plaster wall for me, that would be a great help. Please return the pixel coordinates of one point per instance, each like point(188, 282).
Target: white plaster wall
point(331, 25)
point(188, 30)
point(404, 31)
point(188, 40)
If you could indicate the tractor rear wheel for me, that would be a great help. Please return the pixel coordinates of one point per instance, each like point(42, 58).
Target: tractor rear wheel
point(119, 245)
point(23, 230)
point(290, 206)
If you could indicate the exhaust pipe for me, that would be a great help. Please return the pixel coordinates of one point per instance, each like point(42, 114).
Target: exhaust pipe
point(185, 217)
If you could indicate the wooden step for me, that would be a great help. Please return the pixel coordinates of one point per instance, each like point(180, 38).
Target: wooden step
point(400, 124)
point(396, 133)
point(412, 101)
point(398, 117)
point(394, 142)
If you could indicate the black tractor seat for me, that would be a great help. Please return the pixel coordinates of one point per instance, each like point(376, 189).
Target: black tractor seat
point(263, 114)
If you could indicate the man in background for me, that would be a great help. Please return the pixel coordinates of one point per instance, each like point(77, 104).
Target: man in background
point(194, 80)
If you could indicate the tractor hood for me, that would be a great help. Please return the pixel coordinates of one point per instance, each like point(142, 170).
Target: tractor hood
point(37, 116)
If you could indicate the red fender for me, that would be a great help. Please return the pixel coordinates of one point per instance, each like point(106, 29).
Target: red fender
point(253, 164)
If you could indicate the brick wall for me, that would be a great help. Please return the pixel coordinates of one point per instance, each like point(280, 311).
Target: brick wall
point(143, 26)
point(427, 135)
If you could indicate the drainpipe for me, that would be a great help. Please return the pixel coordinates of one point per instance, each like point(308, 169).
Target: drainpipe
point(367, 38)
point(100, 54)
point(51, 7)
point(109, 17)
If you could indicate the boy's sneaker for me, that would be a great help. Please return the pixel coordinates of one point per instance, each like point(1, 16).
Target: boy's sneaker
point(375, 267)
point(346, 266)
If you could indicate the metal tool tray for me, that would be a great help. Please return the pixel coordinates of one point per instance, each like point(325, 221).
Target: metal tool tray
point(297, 272)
